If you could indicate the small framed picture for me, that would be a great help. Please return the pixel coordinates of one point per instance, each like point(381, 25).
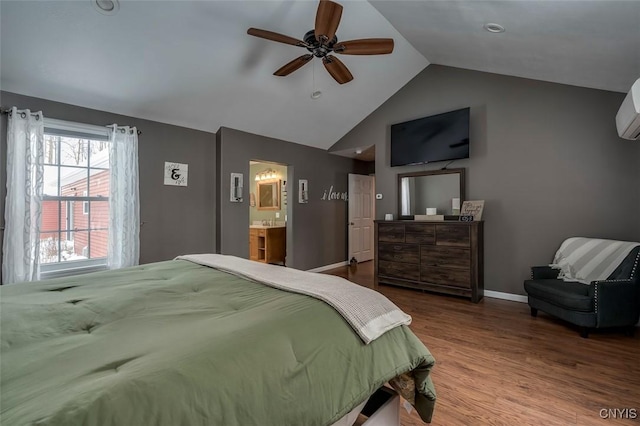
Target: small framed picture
point(471, 211)
point(175, 174)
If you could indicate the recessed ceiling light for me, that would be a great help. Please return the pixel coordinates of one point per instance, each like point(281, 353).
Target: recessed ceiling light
point(316, 94)
point(106, 7)
point(494, 28)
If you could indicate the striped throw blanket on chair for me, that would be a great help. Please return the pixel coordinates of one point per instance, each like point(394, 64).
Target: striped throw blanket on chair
point(590, 259)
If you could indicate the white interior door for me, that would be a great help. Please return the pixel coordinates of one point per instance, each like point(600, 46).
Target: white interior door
point(361, 214)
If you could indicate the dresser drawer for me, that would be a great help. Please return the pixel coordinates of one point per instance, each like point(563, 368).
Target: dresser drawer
point(408, 253)
point(446, 276)
point(453, 235)
point(451, 257)
point(420, 238)
point(405, 271)
point(391, 232)
point(420, 233)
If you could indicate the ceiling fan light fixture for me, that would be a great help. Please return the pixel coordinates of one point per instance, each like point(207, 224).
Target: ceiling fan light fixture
point(321, 42)
point(494, 28)
point(106, 7)
point(316, 94)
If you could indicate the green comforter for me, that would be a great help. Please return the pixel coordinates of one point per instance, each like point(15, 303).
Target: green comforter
point(175, 343)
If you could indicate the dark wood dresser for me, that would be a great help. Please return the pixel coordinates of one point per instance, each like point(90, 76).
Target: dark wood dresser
point(445, 257)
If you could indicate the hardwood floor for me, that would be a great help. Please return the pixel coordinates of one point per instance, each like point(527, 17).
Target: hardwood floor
point(496, 365)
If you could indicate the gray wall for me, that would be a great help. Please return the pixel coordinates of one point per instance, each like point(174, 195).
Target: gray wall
point(177, 220)
point(316, 231)
point(546, 158)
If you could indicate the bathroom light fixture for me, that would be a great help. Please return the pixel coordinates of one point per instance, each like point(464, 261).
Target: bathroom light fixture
point(266, 175)
point(494, 28)
point(106, 7)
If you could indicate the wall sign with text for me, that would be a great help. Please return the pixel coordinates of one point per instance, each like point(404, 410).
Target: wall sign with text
point(330, 194)
point(175, 174)
point(471, 211)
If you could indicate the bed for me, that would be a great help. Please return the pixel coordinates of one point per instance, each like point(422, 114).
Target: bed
point(181, 343)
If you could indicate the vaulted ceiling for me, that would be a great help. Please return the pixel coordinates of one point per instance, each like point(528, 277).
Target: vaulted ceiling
point(589, 43)
point(191, 63)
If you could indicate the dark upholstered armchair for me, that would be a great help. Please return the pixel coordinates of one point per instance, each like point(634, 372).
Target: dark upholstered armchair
point(614, 302)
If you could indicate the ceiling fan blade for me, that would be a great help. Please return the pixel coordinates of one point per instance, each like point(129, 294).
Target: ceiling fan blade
point(365, 46)
point(337, 69)
point(327, 19)
point(293, 65)
point(280, 38)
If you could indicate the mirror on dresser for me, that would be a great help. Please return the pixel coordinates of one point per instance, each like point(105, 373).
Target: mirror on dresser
point(442, 190)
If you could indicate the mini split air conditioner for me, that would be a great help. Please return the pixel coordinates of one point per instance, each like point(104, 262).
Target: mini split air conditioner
point(628, 116)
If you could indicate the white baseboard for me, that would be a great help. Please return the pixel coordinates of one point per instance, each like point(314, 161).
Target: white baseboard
point(505, 296)
point(513, 297)
point(329, 267)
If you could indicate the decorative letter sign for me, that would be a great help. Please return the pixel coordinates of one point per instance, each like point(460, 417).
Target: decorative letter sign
point(330, 194)
point(175, 174)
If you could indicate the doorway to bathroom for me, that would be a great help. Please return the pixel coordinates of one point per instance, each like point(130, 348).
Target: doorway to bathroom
point(268, 212)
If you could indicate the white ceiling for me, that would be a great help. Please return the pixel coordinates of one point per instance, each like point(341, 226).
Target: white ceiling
point(191, 63)
point(582, 43)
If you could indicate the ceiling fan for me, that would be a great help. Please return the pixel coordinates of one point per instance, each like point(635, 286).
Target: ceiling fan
point(322, 41)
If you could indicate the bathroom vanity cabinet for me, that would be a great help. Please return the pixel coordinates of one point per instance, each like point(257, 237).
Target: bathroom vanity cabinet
point(268, 244)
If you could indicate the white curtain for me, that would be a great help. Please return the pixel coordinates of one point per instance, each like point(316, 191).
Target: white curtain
point(23, 206)
point(124, 203)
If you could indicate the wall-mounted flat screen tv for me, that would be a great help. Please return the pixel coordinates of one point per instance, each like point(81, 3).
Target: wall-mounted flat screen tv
point(439, 137)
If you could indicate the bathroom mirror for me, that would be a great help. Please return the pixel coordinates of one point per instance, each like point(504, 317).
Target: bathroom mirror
point(435, 189)
point(269, 195)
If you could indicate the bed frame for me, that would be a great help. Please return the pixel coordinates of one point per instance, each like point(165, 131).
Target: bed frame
point(381, 409)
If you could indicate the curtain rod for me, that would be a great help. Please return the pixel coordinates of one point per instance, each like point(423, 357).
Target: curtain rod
point(4, 110)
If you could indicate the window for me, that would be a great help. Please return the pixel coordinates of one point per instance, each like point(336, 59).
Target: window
point(50, 165)
point(85, 204)
point(75, 206)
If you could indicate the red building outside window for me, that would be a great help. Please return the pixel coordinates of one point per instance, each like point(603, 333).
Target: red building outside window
point(75, 208)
